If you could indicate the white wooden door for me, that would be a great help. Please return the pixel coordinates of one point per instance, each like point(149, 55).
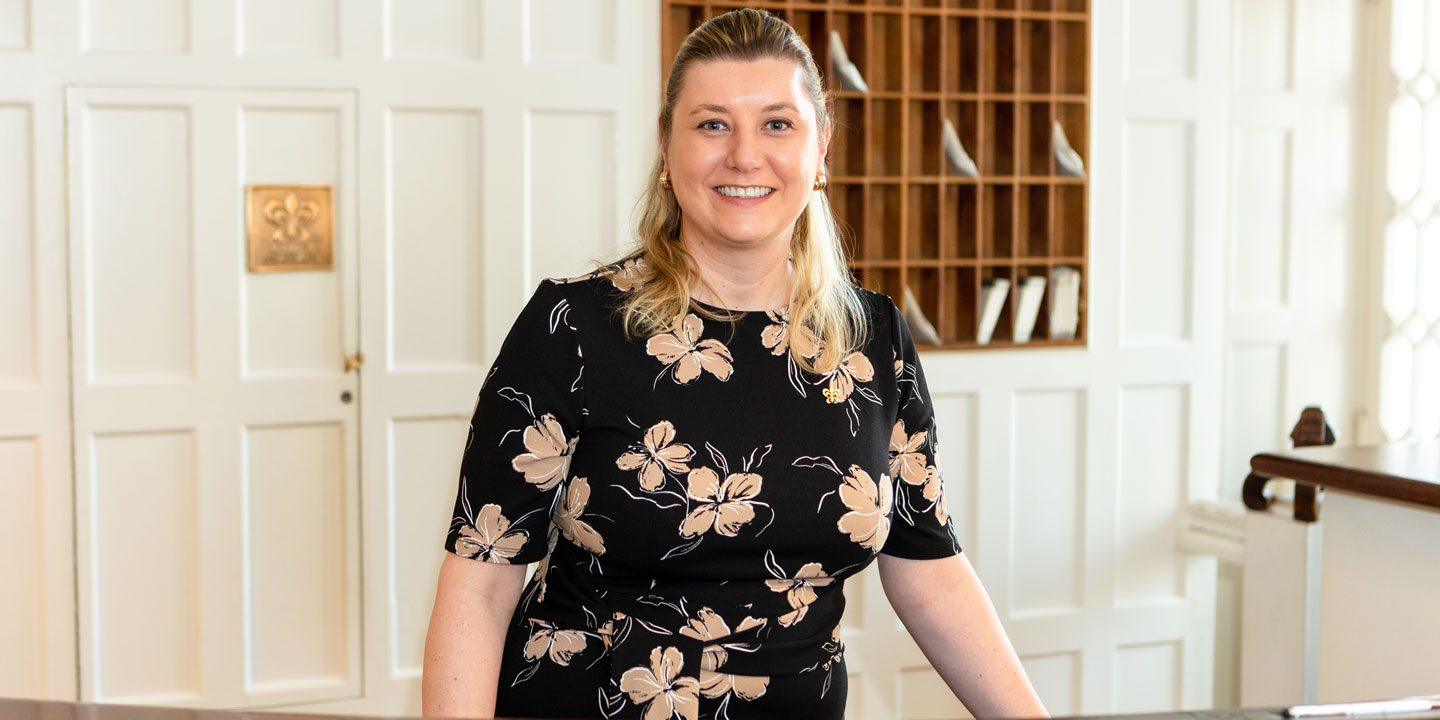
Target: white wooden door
point(501, 142)
point(217, 478)
point(37, 602)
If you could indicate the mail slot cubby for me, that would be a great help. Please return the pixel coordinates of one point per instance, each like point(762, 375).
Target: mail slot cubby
point(1000, 205)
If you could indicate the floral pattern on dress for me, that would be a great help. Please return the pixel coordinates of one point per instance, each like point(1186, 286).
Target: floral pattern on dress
point(567, 517)
point(548, 641)
point(629, 274)
point(907, 462)
point(685, 354)
point(933, 491)
point(661, 688)
point(707, 626)
point(868, 522)
point(713, 507)
point(723, 507)
point(834, 656)
point(487, 536)
point(624, 276)
point(780, 335)
point(844, 384)
point(799, 590)
point(587, 456)
point(547, 459)
point(657, 454)
point(552, 537)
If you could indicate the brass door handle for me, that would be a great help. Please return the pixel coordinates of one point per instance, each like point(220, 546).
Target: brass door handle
point(353, 362)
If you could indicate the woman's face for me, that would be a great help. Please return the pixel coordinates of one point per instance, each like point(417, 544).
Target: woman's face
point(743, 151)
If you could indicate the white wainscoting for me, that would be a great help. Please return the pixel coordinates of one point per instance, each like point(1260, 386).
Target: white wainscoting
point(478, 146)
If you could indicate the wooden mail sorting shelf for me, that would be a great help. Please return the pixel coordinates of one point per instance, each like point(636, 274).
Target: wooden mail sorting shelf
point(942, 225)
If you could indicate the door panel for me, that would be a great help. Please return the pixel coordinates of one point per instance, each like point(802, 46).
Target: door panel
point(217, 463)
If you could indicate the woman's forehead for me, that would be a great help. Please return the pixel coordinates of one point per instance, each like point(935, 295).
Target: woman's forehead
point(744, 85)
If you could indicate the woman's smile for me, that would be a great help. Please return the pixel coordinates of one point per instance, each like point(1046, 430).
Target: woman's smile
point(744, 196)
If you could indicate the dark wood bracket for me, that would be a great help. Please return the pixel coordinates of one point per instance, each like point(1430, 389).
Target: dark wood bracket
point(1312, 430)
point(1307, 497)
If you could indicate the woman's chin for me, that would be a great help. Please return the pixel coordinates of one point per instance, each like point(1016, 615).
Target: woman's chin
point(749, 238)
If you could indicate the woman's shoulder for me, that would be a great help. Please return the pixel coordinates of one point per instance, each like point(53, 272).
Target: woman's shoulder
point(601, 289)
point(881, 312)
point(877, 303)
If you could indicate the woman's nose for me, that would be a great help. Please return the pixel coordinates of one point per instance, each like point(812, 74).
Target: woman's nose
point(744, 151)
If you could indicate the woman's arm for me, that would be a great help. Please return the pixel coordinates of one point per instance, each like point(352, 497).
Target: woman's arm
point(473, 604)
point(947, 611)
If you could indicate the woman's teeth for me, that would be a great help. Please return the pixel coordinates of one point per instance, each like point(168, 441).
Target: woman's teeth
point(745, 192)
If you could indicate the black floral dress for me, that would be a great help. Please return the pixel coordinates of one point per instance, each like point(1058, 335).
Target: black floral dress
point(696, 502)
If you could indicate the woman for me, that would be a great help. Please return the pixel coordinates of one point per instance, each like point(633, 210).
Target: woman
point(700, 443)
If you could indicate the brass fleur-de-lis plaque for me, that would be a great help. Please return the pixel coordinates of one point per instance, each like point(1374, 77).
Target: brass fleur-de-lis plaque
point(289, 227)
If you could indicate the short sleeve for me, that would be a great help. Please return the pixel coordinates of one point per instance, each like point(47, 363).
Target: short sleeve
point(522, 436)
point(921, 527)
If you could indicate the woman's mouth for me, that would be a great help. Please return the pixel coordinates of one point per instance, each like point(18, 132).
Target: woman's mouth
point(743, 195)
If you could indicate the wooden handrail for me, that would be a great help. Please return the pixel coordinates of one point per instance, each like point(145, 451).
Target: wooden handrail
point(1406, 472)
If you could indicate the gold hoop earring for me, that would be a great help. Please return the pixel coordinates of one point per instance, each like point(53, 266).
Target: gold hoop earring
point(821, 181)
point(665, 179)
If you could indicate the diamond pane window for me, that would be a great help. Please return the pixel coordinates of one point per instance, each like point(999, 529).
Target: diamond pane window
point(1407, 38)
point(1425, 417)
point(1427, 301)
point(1404, 170)
point(1409, 357)
point(1400, 269)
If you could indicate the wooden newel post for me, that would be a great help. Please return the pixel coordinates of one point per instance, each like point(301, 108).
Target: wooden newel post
point(1312, 429)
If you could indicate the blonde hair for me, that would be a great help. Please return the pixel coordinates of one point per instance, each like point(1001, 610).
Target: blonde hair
point(823, 298)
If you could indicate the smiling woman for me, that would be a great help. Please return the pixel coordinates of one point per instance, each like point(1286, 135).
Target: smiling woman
point(744, 131)
point(702, 442)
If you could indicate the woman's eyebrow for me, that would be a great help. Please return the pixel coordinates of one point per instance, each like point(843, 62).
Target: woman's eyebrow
point(721, 108)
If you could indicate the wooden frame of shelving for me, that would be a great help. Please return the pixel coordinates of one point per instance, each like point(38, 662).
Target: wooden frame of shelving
point(1003, 71)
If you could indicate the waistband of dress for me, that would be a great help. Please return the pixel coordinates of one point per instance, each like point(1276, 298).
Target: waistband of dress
point(758, 643)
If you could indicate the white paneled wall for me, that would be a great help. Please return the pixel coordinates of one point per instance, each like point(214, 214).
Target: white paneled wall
point(37, 606)
point(1047, 484)
point(571, 215)
point(22, 486)
point(288, 28)
point(476, 146)
point(14, 24)
point(439, 153)
point(1078, 465)
point(135, 27)
point(1295, 256)
point(1151, 485)
point(1293, 261)
point(510, 141)
point(1158, 233)
point(17, 276)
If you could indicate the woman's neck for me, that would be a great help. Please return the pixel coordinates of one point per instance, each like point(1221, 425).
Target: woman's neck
point(741, 278)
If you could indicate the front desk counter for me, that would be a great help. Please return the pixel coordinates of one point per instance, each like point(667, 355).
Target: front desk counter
point(50, 710)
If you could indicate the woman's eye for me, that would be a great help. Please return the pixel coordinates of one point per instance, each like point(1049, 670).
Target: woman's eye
point(712, 125)
point(778, 124)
